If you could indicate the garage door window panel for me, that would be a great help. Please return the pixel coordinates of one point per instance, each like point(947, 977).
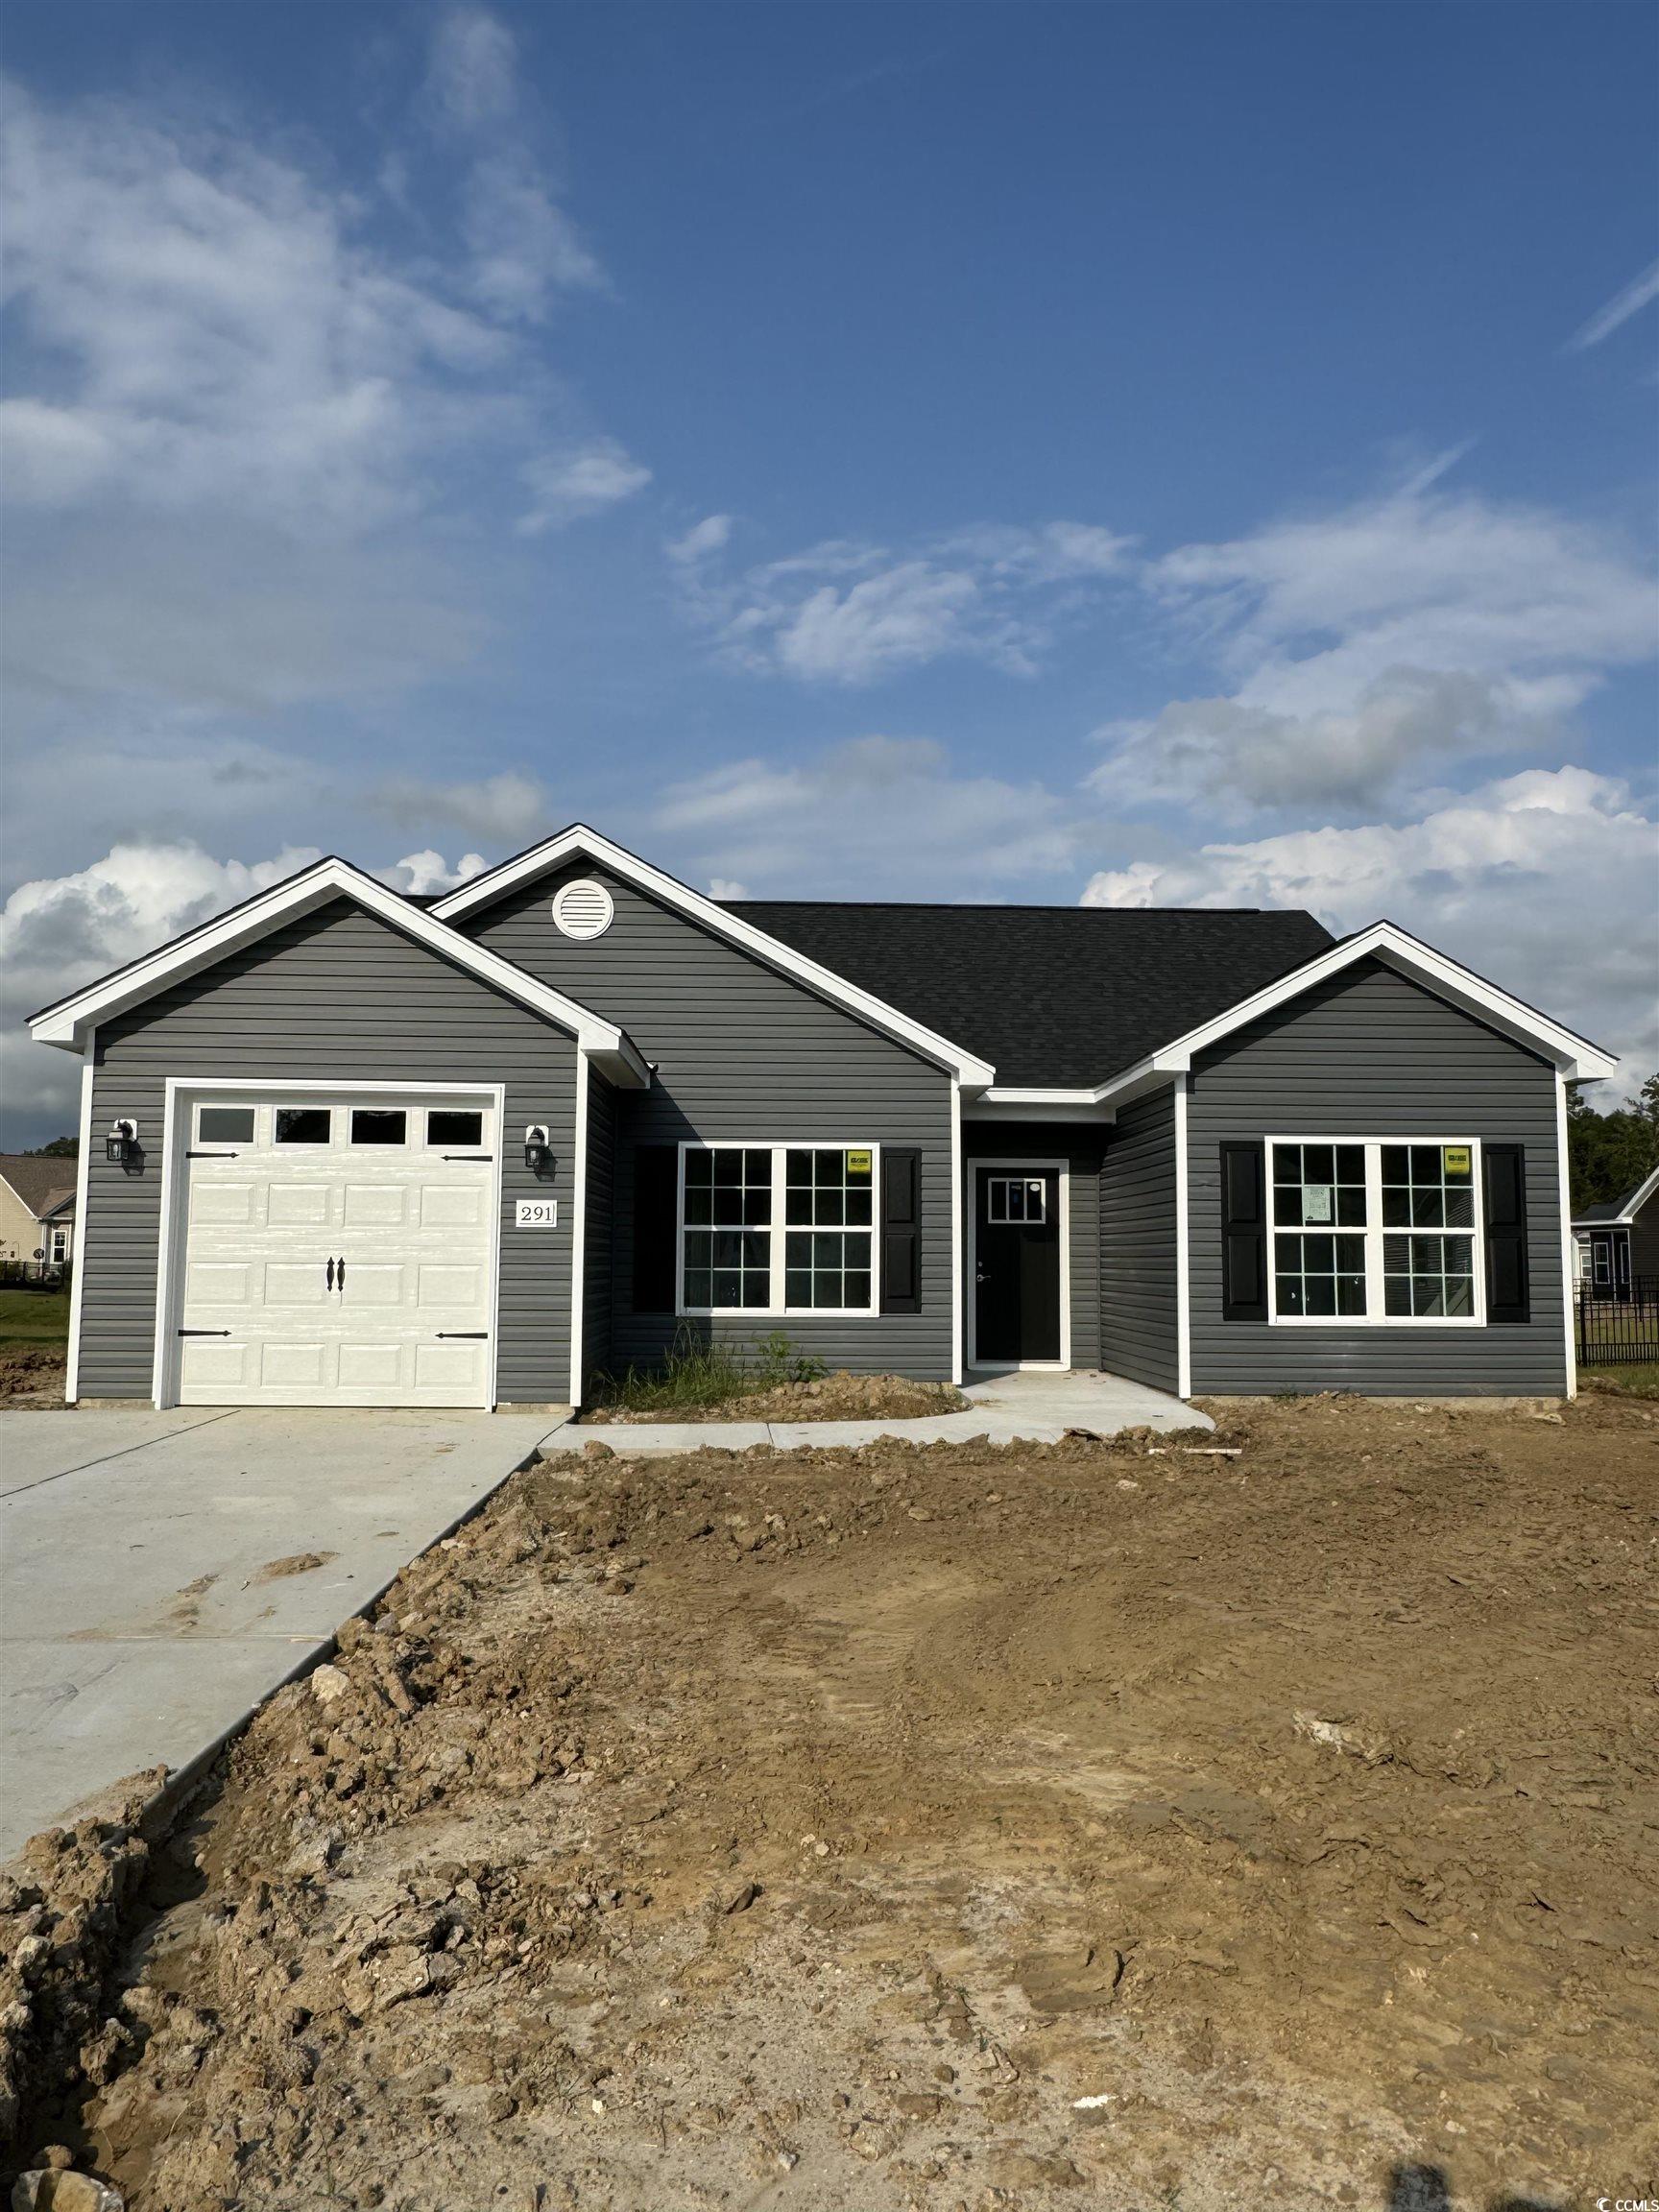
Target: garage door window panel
point(225, 1124)
point(379, 1125)
point(304, 1125)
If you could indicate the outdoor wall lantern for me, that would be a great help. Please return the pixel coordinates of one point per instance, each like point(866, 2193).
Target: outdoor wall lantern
point(536, 1156)
point(121, 1144)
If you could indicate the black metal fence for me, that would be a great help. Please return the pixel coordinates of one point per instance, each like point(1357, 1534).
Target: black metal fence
point(1619, 1331)
point(34, 1274)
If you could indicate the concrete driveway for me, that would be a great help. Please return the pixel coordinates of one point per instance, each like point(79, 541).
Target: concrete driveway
point(154, 1584)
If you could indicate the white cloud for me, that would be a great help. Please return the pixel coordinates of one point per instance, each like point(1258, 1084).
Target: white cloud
point(508, 808)
point(1367, 649)
point(471, 75)
point(849, 612)
point(1511, 879)
point(1639, 293)
point(873, 817)
point(218, 335)
point(577, 481)
point(728, 887)
point(59, 932)
point(422, 874)
point(709, 536)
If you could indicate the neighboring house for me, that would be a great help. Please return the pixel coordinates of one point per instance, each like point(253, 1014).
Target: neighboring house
point(37, 1206)
point(347, 1147)
point(1618, 1241)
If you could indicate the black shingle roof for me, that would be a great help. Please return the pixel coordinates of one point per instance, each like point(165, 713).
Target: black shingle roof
point(1052, 996)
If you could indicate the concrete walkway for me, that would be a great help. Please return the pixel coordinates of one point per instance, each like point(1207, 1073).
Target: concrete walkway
point(149, 1597)
point(1020, 1409)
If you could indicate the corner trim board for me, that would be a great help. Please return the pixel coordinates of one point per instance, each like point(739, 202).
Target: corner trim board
point(579, 1233)
point(1570, 1333)
point(82, 1186)
point(1182, 1248)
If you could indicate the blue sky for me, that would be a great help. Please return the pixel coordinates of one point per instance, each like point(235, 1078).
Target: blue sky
point(1138, 453)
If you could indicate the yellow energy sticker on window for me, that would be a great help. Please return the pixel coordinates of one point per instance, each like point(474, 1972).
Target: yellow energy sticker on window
point(857, 1162)
point(1458, 1159)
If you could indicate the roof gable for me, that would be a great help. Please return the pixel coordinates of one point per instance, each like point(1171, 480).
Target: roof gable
point(578, 842)
point(69, 1022)
point(41, 1180)
point(1620, 1211)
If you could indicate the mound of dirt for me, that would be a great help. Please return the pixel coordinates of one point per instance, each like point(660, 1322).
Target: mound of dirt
point(836, 1397)
point(1087, 1824)
point(32, 1375)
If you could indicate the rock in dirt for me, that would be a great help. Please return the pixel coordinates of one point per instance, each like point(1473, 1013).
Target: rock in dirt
point(327, 1683)
point(741, 1899)
point(56, 2189)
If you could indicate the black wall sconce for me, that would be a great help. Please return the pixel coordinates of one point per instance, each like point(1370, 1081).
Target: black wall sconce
point(121, 1146)
point(537, 1157)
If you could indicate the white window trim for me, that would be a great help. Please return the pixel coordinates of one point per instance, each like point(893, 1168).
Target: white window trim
point(774, 1308)
point(1374, 1316)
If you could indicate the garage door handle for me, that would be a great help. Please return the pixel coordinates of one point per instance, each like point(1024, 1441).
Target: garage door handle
point(329, 1278)
point(472, 1335)
point(203, 1332)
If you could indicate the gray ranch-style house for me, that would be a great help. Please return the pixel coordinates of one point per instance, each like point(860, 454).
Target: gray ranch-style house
point(340, 1146)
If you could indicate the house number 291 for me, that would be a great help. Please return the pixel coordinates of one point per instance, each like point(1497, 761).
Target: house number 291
point(537, 1214)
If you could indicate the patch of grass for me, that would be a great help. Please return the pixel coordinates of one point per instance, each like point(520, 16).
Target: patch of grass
point(694, 1373)
point(33, 1316)
point(1639, 1379)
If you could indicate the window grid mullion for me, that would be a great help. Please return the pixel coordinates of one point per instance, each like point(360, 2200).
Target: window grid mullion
point(776, 1301)
point(1375, 1307)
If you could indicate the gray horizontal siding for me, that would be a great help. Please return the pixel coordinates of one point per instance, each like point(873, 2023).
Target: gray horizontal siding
point(1369, 1054)
point(1139, 1316)
point(1080, 1148)
point(336, 997)
point(597, 1264)
point(741, 1051)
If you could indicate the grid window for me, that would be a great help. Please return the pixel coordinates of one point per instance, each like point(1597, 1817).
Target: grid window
point(728, 1229)
point(1016, 1198)
point(1376, 1231)
point(778, 1229)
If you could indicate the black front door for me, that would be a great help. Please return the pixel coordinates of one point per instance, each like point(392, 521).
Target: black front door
point(1016, 1263)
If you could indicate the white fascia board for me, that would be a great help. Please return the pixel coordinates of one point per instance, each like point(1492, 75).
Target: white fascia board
point(1574, 1056)
point(67, 1024)
point(588, 844)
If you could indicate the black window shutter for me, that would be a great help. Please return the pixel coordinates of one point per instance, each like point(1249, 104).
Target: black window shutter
point(1507, 1291)
point(656, 1202)
point(1243, 1233)
point(900, 1228)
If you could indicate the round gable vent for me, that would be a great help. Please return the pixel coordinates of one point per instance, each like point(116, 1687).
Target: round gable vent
point(583, 908)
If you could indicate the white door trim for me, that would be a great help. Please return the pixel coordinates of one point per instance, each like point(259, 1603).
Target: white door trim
point(174, 1137)
point(1062, 1168)
point(579, 1229)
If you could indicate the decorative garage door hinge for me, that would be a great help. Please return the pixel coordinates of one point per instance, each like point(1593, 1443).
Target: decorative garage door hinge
point(469, 1155)
point(212, 1155)
point(203, 1332)
point(470, 1334)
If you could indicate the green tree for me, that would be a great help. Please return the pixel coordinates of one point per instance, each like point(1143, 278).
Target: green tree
point(1610, 1153)
point(59, 1149)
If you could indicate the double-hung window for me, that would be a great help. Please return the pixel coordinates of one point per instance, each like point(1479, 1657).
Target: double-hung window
point(1375, 1232)
point(776, 1229)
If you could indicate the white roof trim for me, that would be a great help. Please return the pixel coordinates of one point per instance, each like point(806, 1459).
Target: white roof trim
point(67, 1023)
point(1574, 1056)
point(1622, 1219)
point(967, 1066)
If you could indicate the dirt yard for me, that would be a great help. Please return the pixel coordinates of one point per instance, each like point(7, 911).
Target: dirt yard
point(836, 1397)
point(1116, 1827)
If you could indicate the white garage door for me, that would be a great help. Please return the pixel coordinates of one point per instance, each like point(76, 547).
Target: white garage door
point(337, 1252)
